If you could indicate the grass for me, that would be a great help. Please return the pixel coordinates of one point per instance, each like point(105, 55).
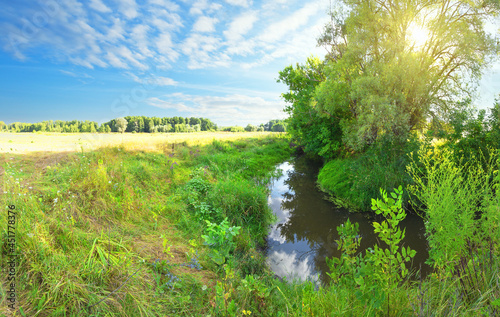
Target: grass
point(119, 232)
point(115, 231)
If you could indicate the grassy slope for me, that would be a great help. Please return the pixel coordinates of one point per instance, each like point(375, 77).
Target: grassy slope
point(88, 223)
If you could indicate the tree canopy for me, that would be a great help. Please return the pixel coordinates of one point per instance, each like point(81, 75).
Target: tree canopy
point(391, 66)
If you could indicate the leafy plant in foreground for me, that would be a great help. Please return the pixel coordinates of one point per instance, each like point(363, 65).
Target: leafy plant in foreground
point(390, 261)
point(220, 238)
point(384, 267)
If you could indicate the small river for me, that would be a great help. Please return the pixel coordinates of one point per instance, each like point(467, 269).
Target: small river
point(306, 229)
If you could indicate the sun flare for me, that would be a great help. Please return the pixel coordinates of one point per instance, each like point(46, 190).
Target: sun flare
point(417, 36)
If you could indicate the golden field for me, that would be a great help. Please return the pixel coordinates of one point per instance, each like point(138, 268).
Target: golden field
point(22, 143)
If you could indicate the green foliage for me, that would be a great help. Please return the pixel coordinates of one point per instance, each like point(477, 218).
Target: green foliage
point(244, 203)
point(343, 270)
point(220, 238)
point(469, 133)
point(390, 262)
point(389, 83)
point(461, 212)
point(355, 180)
point(132, 124)
point(250, 128)
point(450, 194)
point(373, 277)
point(121, 125)
point(317, 131)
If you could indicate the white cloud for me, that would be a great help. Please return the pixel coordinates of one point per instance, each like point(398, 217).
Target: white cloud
point(164, 20)
point(292, 266)
point(166, 4)
point(72, 74)
point(223, 109)
point(205, 24)
point(242, 3)
point(203, 52)
point(116, 32)
point(155, 102)
point(155, 34)
point(240, 26)
point(129, 8)
point(299, 18)
point(140, 39)
point(165, 46)
point(115, 61)
point(164, 81)
point(132, 57)
point(99, 6)
point(151, 79)
point(201, 6)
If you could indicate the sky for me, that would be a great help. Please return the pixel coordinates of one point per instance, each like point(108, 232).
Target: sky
point(103, 59)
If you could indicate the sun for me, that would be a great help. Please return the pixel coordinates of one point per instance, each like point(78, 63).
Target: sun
point(417, 36)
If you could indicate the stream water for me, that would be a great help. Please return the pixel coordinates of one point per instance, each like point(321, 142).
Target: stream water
point(306, 229)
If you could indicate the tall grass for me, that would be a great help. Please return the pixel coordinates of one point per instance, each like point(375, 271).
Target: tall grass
point(100, 233)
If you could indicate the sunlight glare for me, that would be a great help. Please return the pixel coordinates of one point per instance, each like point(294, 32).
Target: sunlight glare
point(417, 36)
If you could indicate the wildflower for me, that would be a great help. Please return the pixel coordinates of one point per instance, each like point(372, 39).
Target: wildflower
point(30, 235)
point(55, 200)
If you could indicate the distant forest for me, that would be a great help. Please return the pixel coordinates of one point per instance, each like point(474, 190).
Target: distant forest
point(138, 124)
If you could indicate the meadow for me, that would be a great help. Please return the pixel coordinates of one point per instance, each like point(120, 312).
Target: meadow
point(69, 142)
point(116, 231)
point(177, 229)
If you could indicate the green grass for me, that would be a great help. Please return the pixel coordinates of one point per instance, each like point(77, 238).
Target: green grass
point(116, 232)
point(107, 232)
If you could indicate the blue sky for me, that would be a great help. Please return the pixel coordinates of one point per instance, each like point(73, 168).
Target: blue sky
point(102, 59)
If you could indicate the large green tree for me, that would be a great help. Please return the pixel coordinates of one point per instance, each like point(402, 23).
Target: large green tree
point(310, 125)
point(121, 125)
point(393, 64)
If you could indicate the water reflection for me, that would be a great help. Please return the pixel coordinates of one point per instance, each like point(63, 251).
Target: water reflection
point(305, 232)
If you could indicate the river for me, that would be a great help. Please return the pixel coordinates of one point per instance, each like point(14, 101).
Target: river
point(305, 231)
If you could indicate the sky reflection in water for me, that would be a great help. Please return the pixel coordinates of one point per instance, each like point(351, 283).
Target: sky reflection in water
point(305, 231)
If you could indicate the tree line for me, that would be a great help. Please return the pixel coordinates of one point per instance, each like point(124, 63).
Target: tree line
point(138, 124)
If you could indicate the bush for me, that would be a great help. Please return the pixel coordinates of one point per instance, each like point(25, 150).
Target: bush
point(354, 181)
point(243, 203)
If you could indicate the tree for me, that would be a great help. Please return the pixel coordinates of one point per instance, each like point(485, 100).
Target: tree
point(389, 80)
point(140, 125)
point(121, 125)
point(194, 121)
point(279, 127)
point(317, 130)
point(150, 126)
point(250, 128)
point(2, 125)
